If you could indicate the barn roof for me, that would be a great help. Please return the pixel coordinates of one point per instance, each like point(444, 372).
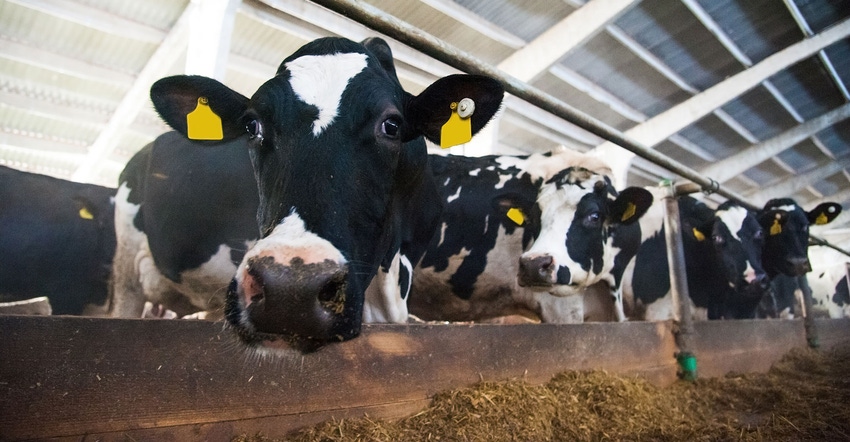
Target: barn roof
point(708, 83)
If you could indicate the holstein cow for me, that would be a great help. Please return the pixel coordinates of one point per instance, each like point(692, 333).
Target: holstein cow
point(827, 283)
point(722, 249)
point(344, 189)
point(553, 210)
point(786, 246)
point(185, 214)
point(56, 240)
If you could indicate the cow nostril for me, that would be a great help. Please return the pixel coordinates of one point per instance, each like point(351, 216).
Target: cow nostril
point(332, 293)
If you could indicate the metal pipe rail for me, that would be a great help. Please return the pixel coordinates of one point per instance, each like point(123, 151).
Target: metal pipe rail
point(409, 35)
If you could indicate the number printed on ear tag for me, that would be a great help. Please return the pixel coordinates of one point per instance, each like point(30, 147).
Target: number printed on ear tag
point(202, 123)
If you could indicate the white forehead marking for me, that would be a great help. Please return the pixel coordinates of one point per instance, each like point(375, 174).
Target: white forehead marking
point(320, 80)
point(734, 219)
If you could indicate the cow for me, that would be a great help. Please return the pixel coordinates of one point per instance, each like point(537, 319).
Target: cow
point(185, 215)
point(56, 240)
point(827, 283)
point(786, 256)
point(722, 251)
point(345, 196)
point(501, 216)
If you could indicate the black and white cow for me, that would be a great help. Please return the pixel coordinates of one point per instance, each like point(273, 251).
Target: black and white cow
point(786, 257)
point(56, 240)
point(185, 214)
point(344, 191)
point(499, 209)
point(722, 250)
point(827, 283)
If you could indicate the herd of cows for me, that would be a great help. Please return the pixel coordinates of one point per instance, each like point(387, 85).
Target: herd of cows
point(317, 208)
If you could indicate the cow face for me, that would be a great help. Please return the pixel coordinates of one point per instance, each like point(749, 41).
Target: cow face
point(337, 152)
point(738, 241)
point(578, 209)
point(787, 228)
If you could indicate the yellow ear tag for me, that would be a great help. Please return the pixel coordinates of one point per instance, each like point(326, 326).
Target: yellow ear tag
point(821, 219)
point(775, 229)
point(458, 130)
point(85, 214)
point(516, 216)
point(698, 235)
point(629, 212)
point(202, 123)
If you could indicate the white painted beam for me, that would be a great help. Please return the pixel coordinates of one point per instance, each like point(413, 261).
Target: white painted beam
point(210, 31)
point(137, 97)
point(738, 163)
point(788, 187)
point(96, 18)
point(537, 56)
point(60, 63)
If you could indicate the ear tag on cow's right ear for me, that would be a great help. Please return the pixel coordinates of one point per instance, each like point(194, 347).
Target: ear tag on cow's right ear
point(821, 219)
point(202, 123)
point(516, 216)
point(85, 214)
point(458, 130)
point(775, 229)
point(698, 235)
point(631, 208)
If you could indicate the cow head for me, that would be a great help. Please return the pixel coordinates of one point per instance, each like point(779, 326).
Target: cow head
point(578, 207)
point(337, 151)
point(787, 228)
point(738, 241)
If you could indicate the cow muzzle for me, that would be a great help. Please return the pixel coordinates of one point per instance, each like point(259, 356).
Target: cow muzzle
point(800, 266)
point(536, 271)
point(298, 302)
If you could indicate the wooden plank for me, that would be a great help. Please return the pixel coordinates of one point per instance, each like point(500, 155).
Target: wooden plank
point(744, 346)
point(68, 377)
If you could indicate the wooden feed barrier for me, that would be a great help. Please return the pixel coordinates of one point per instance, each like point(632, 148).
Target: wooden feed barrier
point(127, 379)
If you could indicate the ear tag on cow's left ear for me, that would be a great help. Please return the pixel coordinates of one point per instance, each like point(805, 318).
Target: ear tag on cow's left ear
point(202, 123)
point(698, 235)
point(631, 208)
point(458, 130)
point(821, 219)
point(85, 214)
point(775, 229)
point(516, 216)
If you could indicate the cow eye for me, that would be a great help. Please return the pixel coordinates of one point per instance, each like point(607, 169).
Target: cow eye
point(391, 127)
point(718, 240)
point(593, 219)
point(254, 129)
point(759, 234)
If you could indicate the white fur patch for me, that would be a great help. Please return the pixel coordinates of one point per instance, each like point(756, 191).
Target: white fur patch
point(734, 219)
point(291, 239)
point(320, 80)
point(455, 196)
point(384, 300)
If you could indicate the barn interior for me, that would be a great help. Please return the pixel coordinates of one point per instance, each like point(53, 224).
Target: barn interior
point(752, 94)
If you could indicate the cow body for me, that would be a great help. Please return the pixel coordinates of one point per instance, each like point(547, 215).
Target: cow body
point(494, 209)
point(827, 283)
point(57, 241)
point(185, 215)
point(344, 191)
point(722, 252)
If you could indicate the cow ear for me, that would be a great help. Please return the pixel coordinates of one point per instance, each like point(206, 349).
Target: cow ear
point(514, 208)
point(184, 100)
point(630, 205)
point(824, 213)
point(382, 52)
point(773, 221)
point(430, 110)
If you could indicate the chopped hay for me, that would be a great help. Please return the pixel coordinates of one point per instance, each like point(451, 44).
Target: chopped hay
point(805, 396)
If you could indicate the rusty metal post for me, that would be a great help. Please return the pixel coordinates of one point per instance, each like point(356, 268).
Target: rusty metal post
point(683, 320)
point(808, 316)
